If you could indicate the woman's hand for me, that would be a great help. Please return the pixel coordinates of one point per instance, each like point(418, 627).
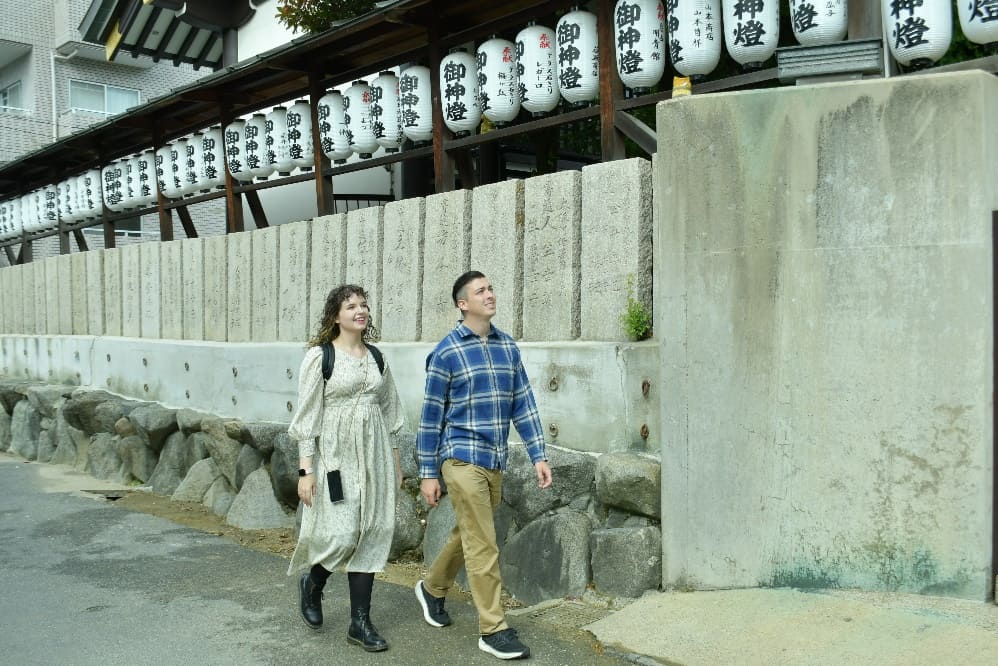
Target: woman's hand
point(306, 489)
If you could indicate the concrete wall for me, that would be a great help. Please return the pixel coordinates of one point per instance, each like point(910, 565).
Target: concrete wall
point(824, 302)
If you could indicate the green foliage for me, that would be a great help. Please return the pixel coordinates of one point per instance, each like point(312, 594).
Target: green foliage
point(636, 318)
point(319, 15)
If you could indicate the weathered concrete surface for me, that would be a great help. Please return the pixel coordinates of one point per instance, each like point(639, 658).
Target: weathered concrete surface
point(80, 305)
point(41, 311)
point(551, 255)
point(113, 300)
point(216, 287)
point(616, 244)
point(51, 269)
point(172, 290)
point(402, 280)
point(95, 292)
point(239, 288)
point(328, 264)
point(64, 269)
point(497, 247)
point(828, 419)
point(262, 273)
point(293, 282)
point(151, 281)
point(365, 235)
point(447, 239)
point(131, 294)
point(193, 278)
point(763, 627)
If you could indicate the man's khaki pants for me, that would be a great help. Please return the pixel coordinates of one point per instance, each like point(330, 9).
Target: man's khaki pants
point(475, 493)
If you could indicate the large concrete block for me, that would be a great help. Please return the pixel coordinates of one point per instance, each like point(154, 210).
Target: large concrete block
point(616, 244)
point(293, 282)
point(5, 299)
point(38, 281)
point(28, 292)
point(402, 296)
point(551, 256)
point(81, 294)
point(497, 248)
point(113, 301)
point(52, 287)
point(131, 291)
point(262, 273)
point(193, 287)
point(446, 253)
point(171, 291)
point(239, 316)
point(216, 287)
point(151, 282)
point(95, 291)
point(16, 285)
point(365, 233)
point(64, 269)
point(327, 263)
point(828, 418)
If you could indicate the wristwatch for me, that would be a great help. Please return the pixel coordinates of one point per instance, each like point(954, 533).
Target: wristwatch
point(304, 472)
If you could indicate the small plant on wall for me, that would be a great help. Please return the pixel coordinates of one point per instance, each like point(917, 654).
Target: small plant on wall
point(636, 317)
point(319, 15)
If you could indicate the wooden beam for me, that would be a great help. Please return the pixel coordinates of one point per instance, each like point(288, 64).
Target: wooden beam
point(165, 41)
point(187, 222)
point(108, 227)
point(64, 247)
point(81, 240)
point(611, 141)
point(11, 257)
point(186, 44)
point(259, 217)
point(443, 164)
point(636, 131)
point(324, 203)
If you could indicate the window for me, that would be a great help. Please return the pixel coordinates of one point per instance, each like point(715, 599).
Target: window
point(100, 98)
point(10, 97)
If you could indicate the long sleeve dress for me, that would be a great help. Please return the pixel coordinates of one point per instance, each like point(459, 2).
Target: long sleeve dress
point(356, 417)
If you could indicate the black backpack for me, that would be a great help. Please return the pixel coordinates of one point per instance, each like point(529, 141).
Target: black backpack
point(329, 356)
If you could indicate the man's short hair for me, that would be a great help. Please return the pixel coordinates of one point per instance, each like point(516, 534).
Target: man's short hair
point(462, 282)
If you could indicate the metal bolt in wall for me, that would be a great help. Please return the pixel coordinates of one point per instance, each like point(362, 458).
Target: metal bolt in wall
point(553, 429)
point(553, 384)
point(645, 387)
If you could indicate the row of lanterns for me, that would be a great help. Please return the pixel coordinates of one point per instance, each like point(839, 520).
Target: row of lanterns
point(71, 200)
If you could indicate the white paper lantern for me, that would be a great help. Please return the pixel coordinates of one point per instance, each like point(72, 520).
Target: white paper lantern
point(192, 165)
point(818, 23)
point(578, 57)
point(147, 186)
point(212, 159)
point(694, 36)
point(978, 20)
point(257, 158)
point(385, 119)
point(333, 127)
point(130, 191)
point(79, 211)
point(639, 35)
point(64, 203)
point(113, 185)
point(459, 92)
point(277, 141)
point(299, 122)
point(751, 30)
point(235, 150)
point(164, 171)
point(919, 33)
point(537, 69)
point(357, 107)
point(50, 206)
point(92, 193)
point(414, 104)
point(4, 224)
point(498, 84)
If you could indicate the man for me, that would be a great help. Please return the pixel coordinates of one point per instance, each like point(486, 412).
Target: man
point(475, 387)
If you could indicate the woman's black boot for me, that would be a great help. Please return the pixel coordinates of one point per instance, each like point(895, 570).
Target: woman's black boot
point(310, 594)
point(363, 633)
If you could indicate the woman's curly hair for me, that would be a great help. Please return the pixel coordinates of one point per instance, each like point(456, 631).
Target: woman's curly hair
point(329, 330)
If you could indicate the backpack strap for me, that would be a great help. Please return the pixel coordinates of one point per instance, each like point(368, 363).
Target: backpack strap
point(328, 357)
point(378, 358)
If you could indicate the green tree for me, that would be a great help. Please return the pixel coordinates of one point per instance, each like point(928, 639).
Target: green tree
point(319, 15)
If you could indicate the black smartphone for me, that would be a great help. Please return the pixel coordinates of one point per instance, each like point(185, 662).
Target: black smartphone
point(335, 485)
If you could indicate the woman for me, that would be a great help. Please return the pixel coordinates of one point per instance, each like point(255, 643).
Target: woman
point(349, 463)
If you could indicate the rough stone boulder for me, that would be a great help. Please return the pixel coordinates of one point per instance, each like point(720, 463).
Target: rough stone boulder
point(255, 507)
point(11, 393)
point(47, 398)
point(248, 461)
point(68, 441)
point(219, 497)
point(261, 435)
point(155, 422)
point(548, 559)
point(189, 420)
point(4, 430)
point(103, 459)
point(441, 520)
point(197, 448)
point(222, 448)
point(172, 466)
point(407, 455)
point(137, 457)
point(284, 469)
point(197, 482)
point(46, 441)
point(572, 472)
point(631, 482)
point(627, 561)
point(25, 426)
point(81, 411)
point(408, 530)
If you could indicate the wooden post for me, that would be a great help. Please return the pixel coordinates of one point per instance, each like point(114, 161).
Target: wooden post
point(81, 240)
point(11, 257)
point(187, 222)
point(443, 164)
point(63, 239)
point(233, 202)
point(108, 229)
point(611, 140)
point(256, 208)
point(323, 188)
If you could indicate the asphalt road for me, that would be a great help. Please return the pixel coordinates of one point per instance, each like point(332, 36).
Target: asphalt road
point(86, 582)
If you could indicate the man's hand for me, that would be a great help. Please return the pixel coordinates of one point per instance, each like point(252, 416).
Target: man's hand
point(543, 474)
point(431, 490)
